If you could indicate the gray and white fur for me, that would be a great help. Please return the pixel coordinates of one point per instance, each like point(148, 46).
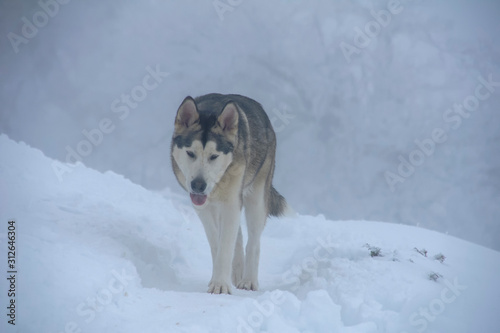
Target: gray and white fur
point(223, 154)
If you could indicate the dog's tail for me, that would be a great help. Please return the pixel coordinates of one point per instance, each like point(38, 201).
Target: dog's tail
point(277, 205)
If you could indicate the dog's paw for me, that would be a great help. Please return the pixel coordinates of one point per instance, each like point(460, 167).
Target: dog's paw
point(219, 287)
point(248, 285)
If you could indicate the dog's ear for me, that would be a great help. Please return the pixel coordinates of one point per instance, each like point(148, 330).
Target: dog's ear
point(187, 115)
point(228, 119)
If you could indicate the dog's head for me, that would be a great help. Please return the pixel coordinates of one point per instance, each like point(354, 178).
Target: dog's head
point(202, 147)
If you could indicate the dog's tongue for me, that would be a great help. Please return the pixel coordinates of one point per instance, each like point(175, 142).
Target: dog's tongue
point(198, 199)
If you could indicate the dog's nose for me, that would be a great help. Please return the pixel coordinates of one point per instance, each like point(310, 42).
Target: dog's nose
point(198, 185)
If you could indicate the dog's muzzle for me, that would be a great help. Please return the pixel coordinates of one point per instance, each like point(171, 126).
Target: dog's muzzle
point(198, 187)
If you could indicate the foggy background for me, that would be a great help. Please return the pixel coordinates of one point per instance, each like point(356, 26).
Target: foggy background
point(343, 120)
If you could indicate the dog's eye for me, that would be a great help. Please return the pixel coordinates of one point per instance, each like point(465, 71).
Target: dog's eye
point(213, 157)
point(190, 153)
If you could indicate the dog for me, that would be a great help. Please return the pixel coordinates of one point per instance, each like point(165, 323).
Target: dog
point(223, 154)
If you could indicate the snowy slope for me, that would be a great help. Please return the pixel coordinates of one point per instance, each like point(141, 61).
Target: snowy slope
point(97, 253)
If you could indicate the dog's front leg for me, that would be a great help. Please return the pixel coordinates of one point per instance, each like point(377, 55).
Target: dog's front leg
point(228, 225)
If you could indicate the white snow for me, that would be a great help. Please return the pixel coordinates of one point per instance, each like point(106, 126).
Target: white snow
point(97, 253)
point(349, 120)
